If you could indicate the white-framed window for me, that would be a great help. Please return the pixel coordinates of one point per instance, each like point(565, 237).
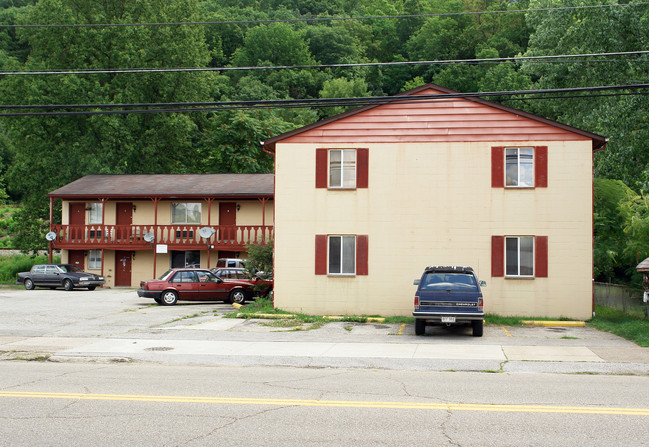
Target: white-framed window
point(519, 256)
point(342, 168)
point(519, 167)
point(95, 213)
point(186, 213)
point(94, 259)
point(342, 255)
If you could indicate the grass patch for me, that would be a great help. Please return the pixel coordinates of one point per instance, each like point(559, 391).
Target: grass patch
point(498, 320)
point(11, 265)
point(616, 322)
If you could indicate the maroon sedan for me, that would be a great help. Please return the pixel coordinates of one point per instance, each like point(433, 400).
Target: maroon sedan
point(193, 284)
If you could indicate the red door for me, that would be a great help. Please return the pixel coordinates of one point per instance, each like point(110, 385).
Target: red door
point(228, 221)
point(77, 219)
point(122, 268)
point(124, 220)
point(75, 257)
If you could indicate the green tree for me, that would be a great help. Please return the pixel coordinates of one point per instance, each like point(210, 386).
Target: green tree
point(342, 88)
point(622, 118)
point(51, 151)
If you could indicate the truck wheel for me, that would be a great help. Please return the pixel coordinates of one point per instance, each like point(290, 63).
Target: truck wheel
point(420, 327)
point(477, 327)
point(29, 284)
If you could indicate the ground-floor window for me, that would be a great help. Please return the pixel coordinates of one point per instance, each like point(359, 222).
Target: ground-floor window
point(94, 259)
point(190, 258)
point(519, 256)
point(342, 255)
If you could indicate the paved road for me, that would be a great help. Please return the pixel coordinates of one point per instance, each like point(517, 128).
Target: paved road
point(44, 403)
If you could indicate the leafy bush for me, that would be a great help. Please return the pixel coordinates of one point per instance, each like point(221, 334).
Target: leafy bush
point(10, 266)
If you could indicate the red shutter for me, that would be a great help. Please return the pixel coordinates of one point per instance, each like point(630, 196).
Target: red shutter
point(497, 256)
point(321, 168)
point(498, 167)
point(320, 254)
point(362, 173)
point(541, 257)
point(361, 255)
point(541, 166)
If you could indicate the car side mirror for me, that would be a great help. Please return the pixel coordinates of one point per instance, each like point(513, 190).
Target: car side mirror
point(416, 282)
point(483, 283)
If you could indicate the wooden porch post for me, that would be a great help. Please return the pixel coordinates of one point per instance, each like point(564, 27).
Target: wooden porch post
point(49, 244)
point(155, 229)
point(209, 224)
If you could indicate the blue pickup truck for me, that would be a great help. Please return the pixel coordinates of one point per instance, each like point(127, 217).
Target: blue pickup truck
point(448, 295)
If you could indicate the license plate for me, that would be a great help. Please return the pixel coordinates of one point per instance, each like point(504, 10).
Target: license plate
point(448, 319)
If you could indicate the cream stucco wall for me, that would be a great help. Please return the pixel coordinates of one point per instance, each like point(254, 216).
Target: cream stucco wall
point(432, 204)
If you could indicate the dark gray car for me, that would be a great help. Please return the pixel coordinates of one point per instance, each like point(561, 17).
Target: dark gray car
point(52, 276)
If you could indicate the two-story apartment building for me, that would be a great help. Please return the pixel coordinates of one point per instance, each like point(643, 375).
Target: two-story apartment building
point(134, 227)
point(364, 201)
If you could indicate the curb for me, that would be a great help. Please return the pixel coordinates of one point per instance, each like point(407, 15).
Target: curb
point(555, 323)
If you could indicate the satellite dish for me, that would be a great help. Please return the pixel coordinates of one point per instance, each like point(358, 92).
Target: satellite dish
point(50, 236)
point(206, 232)
point(149, 237)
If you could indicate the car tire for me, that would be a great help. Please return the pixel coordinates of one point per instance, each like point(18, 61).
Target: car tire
point(477, 328)
point(168, 298)
point(67, 285)
point(270, 294)
point(237, 296)
point(420, 327)
point(92, 287)
point(29, 284)
point(157, 300)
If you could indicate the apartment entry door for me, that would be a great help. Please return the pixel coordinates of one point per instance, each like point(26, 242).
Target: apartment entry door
point(123, 268)
point(227, 221)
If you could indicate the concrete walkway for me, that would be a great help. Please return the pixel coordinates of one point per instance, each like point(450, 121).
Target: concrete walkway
point(402, 353)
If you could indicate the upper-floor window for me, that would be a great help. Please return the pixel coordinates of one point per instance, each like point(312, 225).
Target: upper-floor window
point(519, 167)
point(185, 213)
point(341, 168)
point(95, 213)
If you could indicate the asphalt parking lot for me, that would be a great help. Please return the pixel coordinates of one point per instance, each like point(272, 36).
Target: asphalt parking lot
point(116, 324)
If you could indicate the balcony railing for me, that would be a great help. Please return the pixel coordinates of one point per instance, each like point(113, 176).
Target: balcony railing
point(131, 237)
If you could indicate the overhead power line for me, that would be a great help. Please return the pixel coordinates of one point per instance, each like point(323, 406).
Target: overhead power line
point(147, 108)
point(316, 19)
point(533, 59)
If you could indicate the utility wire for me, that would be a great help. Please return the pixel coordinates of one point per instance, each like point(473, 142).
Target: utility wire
point(551, 58)
point(317, 19)
point(146, 108)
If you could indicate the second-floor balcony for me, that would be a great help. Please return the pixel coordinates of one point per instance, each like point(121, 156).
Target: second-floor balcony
point(146, 237)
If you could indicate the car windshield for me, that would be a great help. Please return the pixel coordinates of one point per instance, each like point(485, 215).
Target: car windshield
point(166, 274)
point(454, 282)
point(68, 268)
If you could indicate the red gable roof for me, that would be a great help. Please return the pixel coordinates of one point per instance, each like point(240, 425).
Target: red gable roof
point(453, 119)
